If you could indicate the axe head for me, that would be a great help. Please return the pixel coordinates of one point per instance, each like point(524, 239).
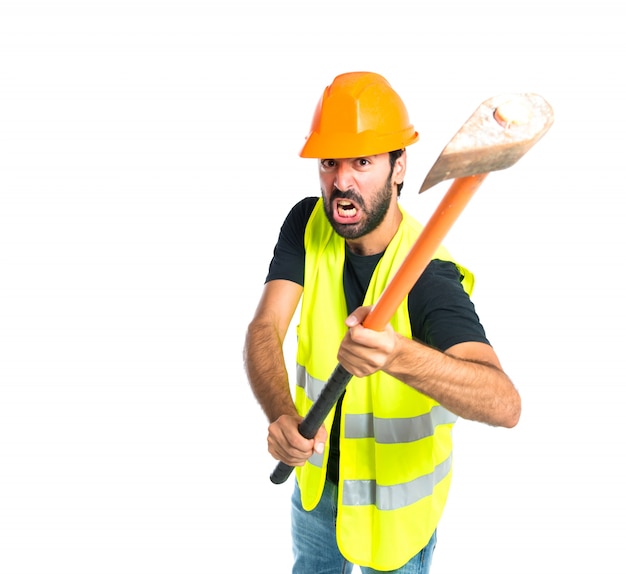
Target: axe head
point(496, 135)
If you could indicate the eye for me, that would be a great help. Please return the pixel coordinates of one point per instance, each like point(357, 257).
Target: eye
point(328, 163)
point(363, 162)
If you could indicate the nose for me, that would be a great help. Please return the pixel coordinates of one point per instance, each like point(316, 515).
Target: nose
point(343, 176)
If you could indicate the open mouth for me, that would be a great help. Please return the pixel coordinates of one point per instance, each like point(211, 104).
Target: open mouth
point(346, 211)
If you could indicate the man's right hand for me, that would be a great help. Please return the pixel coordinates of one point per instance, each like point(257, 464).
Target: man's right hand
point(285, 443)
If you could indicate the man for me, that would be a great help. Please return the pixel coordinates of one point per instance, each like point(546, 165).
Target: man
point(372, 484)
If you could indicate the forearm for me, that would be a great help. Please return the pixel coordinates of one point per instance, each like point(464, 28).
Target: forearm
point(473, 388)
point(265, 367)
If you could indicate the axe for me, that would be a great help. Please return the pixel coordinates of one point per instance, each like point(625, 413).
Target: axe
point(496, 135)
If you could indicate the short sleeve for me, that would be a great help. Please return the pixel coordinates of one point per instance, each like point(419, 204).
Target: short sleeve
point(289, 254)
point(441, 312)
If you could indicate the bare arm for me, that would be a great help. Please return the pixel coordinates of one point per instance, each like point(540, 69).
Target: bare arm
point(263, 351)
point(467, 379)
point(265, 367)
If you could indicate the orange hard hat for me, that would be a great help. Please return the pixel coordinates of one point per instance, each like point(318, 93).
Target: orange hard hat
point(358, 115)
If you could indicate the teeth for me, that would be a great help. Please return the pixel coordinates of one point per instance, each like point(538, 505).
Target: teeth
point(346, 209)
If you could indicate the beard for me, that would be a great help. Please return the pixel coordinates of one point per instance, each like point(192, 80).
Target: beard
point(371, 217)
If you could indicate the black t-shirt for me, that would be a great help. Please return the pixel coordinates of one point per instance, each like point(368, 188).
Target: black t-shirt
point(440, 311)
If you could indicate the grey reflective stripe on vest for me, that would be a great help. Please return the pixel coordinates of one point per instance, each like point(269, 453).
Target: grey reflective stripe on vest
point(397, 430)
point(316, 460)
point(387, 430)
point(365, 492)
point(312, 386)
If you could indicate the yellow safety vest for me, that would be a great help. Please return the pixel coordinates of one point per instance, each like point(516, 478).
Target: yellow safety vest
point(396, 443)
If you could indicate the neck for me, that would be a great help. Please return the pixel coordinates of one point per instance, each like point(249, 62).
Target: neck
point(377, 241)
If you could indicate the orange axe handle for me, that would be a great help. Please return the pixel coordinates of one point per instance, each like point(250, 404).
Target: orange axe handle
point(429, 240)
point(440, 222)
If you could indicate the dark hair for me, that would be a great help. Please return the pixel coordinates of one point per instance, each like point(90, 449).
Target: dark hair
point(393, 156)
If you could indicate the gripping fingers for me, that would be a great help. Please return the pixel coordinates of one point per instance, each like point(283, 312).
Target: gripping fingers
point(364, 351)
point(285, 443)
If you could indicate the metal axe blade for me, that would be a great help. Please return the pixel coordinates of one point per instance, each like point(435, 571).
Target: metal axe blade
point(497, 134)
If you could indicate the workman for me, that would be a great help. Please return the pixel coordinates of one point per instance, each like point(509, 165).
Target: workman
point(372, 484)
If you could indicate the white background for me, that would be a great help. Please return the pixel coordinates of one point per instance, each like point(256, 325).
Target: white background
point(149, 153)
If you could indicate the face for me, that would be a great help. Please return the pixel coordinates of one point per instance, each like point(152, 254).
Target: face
point(357, 193)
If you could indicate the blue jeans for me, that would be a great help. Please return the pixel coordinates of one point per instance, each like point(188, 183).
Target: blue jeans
point(315, 542)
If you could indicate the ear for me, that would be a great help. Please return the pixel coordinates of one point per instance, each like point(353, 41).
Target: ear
point(399, 169)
